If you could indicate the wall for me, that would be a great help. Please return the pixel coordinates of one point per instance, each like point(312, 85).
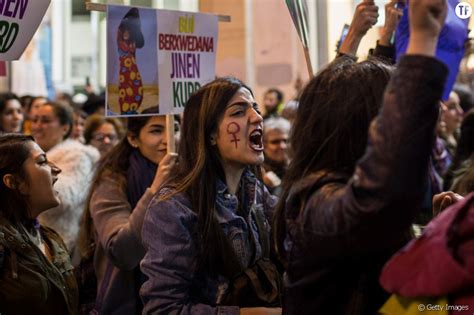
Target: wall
point(260, 45)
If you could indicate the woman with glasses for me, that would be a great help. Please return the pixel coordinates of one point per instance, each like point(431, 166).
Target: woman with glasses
point(126, 179)
point(103, 133)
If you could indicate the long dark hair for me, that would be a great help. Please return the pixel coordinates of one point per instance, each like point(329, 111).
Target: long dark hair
point(330, 129)
point(199, 165)
point(14, 151)
point(464, 149)
point(116, 161)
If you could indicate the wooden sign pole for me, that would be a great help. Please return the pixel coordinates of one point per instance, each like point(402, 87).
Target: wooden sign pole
point(170, 136)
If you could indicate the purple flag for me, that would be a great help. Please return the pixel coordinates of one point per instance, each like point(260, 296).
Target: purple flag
point(450, 48)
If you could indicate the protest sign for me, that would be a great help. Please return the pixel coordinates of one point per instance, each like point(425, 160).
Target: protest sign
point(186, 56)
point(19, 21)
point(157, 58)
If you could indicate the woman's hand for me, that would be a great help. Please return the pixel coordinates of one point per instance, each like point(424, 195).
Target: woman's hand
point(426, 21)
point(163, 171)
point(443, 200)
point(392, 17)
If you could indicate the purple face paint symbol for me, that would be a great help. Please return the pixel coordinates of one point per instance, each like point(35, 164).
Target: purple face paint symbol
point(233, 128)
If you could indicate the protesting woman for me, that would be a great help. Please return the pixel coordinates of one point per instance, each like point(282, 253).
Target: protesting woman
point(127, 178)
point(102, 132)
point(344, 212)
point(36, 275)
point(51, 127)
point(207, 228)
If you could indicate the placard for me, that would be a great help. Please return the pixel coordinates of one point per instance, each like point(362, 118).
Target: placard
point(157, 58)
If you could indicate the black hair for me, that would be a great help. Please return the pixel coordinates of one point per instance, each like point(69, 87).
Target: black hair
point(14, 151)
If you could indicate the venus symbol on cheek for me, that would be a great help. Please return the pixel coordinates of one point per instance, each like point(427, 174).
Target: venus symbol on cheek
point(233, 128)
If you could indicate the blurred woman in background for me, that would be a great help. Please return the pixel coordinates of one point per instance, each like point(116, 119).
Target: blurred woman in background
point(51, 127)
point(11, 113)
point(126, 179)
point(460, 175)
point(103, 132)
point(79, 119)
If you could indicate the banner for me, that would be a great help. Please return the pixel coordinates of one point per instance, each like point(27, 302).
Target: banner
point(451, 41)
point(157, 58)
point(19, 21)
point(299, 15)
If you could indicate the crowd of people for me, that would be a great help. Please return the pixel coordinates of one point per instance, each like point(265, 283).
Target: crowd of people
point(306, 208)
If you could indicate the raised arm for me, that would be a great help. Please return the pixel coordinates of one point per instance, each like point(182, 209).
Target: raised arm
point(389, 181)
point(385, 49)
point(392, 16)
point(365, 16)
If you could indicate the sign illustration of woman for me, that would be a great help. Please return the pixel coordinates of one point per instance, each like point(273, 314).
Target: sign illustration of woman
point(129, 38)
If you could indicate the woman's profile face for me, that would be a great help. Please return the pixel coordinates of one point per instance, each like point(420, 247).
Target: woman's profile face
point(152, 141)
point(239, 134)
point(12, 116)
point(47, 129)
point(40, 178)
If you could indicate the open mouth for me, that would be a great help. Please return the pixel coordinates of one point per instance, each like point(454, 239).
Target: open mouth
point(255, 140)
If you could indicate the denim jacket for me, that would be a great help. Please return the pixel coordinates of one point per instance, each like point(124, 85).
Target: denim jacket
point(342, 229)
point(169, 233)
